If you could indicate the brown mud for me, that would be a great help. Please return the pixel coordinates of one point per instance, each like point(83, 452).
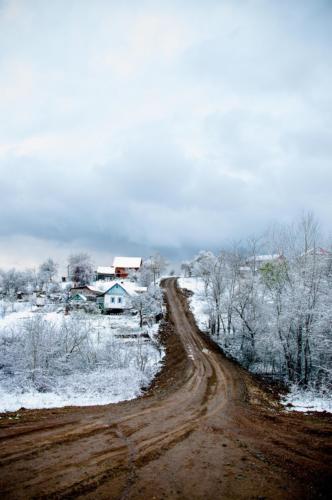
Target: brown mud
point(204, 429)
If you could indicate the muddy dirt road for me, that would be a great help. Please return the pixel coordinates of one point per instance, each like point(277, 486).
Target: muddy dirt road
point(206, 429)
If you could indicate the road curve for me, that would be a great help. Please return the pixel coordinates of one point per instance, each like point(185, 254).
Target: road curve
point(206, 429)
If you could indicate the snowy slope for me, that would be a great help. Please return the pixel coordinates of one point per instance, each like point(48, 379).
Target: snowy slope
point(134, 360)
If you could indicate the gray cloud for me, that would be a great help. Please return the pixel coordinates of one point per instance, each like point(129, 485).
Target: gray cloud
point(161, 127)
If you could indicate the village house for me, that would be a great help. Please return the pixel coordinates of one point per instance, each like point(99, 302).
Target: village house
point(89, 292)
point(256, 262)
point(318, 253)
point(105, 273)
point(124, 265)
point(78, 298)
point(118, 296)
point(317, 256)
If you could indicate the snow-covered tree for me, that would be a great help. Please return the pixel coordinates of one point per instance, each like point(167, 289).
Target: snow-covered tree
point(13, 281)
point(211, 269)
point(145, 275)
point(148, 304)
point(80, 268)
point(47, 272)
point(151, 270)
point(186, 268)
point(157, 264)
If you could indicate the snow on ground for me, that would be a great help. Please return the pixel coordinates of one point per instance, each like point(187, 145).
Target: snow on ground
point(198, 303)
point(83, 389)
point(135, 360)
point(299, 400)
point(307, 401)
point(25, 310)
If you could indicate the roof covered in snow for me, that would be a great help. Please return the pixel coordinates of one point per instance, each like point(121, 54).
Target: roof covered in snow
point(127, 262)
point(78, 296)
point(105, 270)
point(265, 258)
point(318, 251)
point(129, 287)
point(101, 286)
point(92, 288)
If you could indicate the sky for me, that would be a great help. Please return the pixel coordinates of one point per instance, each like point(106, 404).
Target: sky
point(167, 125)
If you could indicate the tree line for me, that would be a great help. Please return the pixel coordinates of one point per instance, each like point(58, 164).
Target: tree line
point(274, 317)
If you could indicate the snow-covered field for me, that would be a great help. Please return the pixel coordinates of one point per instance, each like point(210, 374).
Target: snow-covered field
point(299, 400)
point(108, 358)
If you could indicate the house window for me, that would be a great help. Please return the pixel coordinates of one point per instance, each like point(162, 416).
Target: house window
point(119, 300)
point(112, 300)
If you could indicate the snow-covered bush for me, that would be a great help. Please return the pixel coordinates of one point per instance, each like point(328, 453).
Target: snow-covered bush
point(87, 307)
point(37, 352)
point(34, 352)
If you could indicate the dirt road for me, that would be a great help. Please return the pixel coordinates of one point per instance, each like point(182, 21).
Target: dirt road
point(206, 429)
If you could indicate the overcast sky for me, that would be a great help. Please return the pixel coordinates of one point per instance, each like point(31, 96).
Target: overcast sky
point(128, 127)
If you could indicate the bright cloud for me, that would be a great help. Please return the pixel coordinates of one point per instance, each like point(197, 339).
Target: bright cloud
point(131, 127)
